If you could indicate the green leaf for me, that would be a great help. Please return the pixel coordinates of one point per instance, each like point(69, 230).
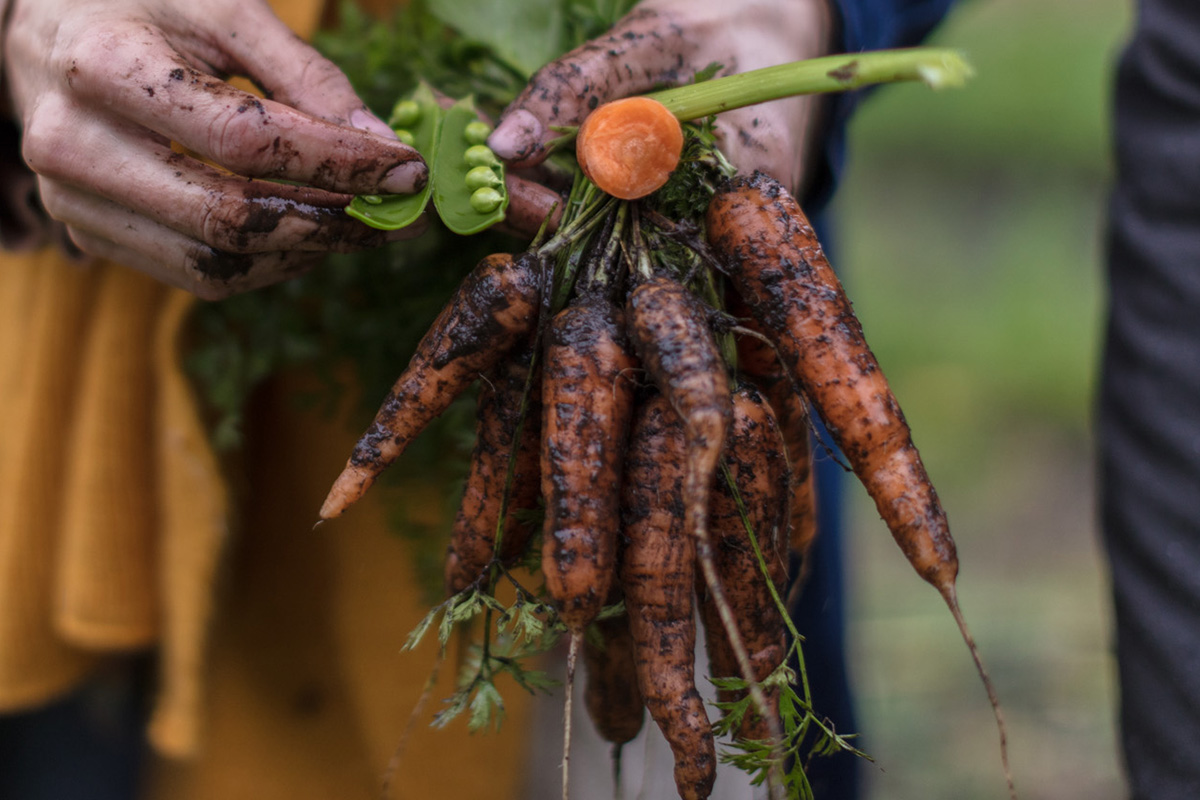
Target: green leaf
point(487, 707)
point(525, 40)
point(528, 626)
point(708, 73)
point(730, 684)
point(418, 633)
point(455, 705)
point(531, 680)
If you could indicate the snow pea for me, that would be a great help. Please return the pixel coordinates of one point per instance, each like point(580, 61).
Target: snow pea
point(453, 195)
point(422, 117)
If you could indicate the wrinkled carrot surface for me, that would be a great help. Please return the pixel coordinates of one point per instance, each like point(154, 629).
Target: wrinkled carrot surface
point(657, 571)
point(757, 466)
point(776, 264)
point(493, 309)
point(500, 429)
point(587, 404)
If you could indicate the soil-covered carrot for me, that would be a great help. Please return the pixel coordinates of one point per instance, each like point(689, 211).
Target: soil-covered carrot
point(757, 360)
point(671, 336)
point(791, 412)
point(502, 425)
point(776, 264)
point(587, 404)
point(757, 467)
point(492, 311)
point(657, 575)
point(629, 147)
point(670, 331)
point(613, 700)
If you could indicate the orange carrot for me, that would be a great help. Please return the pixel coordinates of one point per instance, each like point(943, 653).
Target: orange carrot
point(612, 698)
point(757, 467)
point(499, 415)
point(672, 338)
point(629, 147)
point(776, 264)
point(491, 312)
point(587, 404)
point(656, 571)
point(757, 361)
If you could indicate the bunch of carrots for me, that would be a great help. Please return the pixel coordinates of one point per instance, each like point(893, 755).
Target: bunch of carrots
point(647, 379)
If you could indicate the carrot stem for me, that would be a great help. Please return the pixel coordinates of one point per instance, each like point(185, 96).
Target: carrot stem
point(936, 67)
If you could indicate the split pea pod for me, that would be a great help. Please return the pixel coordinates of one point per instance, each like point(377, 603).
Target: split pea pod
point(419, 116)
point(468, 178)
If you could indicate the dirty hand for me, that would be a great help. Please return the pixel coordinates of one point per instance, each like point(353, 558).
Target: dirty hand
point(666, 42)
point(103, 87)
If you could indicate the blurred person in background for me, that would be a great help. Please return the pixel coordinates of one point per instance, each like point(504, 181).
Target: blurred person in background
point(264, 664)
point(1149, 423)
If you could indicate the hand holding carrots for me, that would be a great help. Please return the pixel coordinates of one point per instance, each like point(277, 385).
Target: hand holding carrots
point(668, 42)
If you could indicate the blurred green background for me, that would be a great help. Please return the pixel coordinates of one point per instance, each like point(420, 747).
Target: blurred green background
point(971, 240)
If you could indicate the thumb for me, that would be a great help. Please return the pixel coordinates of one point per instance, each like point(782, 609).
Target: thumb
point(294, 73)
point(644, 50)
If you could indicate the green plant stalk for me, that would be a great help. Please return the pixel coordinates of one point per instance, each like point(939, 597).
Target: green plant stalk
point(600, 275)
point(937, 67)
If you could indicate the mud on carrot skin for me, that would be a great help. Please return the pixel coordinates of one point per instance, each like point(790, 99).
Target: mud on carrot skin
point(756, 479)
point(757, 360)
point(775, 263)
point(494, 500)
point(494, 308)
point(658, 563)
point(587, 404)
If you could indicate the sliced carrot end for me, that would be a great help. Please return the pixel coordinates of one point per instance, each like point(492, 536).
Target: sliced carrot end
point(629, 147)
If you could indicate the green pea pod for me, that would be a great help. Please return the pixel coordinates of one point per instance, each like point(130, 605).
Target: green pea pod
point(451, 192)
point(393, 211)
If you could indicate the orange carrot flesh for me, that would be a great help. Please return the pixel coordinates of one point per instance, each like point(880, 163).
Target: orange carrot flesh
point(493, 309)
point(500, 428)
point(629, 147)
point(656, 572)
point(757, 466)
point(587, 404)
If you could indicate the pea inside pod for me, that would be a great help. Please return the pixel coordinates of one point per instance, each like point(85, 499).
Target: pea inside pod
point(454, 195)
point(421, 117)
